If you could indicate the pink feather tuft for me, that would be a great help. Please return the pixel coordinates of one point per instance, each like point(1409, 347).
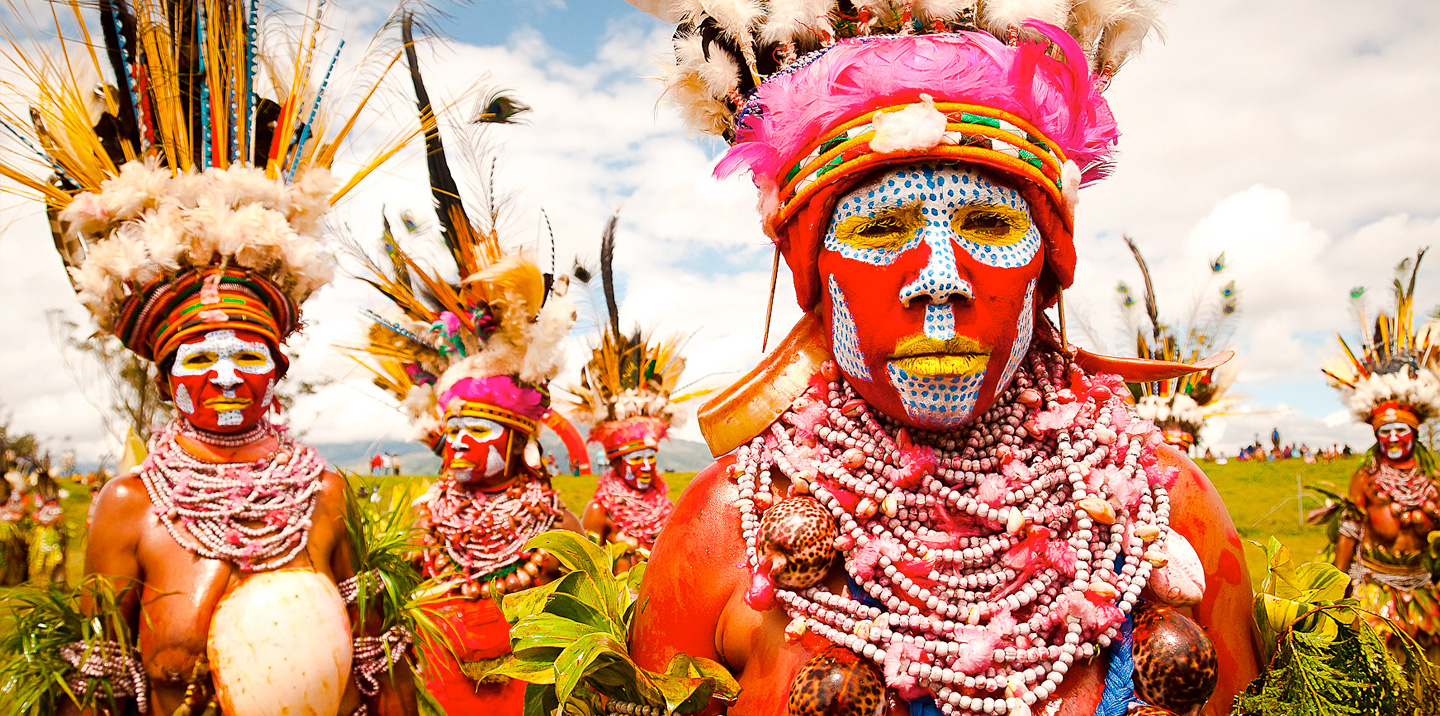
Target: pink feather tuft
point(501, 391)
point(614, 433)
point(977, 648)
point(859, 75)
point(897, 676)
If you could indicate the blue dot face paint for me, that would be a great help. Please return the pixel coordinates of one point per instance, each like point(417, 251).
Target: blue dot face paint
point(931, 274)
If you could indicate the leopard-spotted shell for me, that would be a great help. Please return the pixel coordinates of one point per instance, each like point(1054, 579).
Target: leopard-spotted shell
point(802, 531)
point(837, 682)
point(1176, 666)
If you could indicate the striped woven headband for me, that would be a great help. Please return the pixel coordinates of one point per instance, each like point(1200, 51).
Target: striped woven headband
point(971, 132)
point(629, 447)
point(499, 415)
point(176, 308)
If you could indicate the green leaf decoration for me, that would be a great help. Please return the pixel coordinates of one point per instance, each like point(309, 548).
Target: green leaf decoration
point(40, 619)
point(1323, 658)
point(569, 641)
point(383, 538)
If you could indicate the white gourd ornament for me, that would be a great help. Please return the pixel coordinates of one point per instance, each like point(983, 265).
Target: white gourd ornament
point(280, 645)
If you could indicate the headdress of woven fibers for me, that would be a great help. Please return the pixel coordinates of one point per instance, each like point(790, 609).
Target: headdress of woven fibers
point(199, 301)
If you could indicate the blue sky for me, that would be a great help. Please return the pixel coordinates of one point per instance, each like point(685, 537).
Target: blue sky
point(573, 28)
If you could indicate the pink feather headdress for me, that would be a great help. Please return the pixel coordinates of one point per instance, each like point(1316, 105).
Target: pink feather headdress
point(1037, 119)
point(619, 437)
point(815, 94)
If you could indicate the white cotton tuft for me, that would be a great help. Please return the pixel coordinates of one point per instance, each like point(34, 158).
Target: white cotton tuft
point(1089, 18)
point(146, 223)
point(1070, 179)
point(793, 20)
point(544, 358)
point(699, 108)
point(1000, 16)
point(1124, 37)
point(738, 18)
point(946, 11)
point(915, 128)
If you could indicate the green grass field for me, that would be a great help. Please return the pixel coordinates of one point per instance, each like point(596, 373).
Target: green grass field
point(1261, 498)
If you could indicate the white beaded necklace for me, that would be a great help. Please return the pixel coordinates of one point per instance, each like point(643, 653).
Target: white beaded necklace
point(254, 514)
point(988, 616)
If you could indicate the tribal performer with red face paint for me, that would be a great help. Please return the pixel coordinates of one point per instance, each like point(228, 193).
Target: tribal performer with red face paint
point(188, 209)
point(1383, 541)
point(468, 350)
point(626, 393)
point(928, 502)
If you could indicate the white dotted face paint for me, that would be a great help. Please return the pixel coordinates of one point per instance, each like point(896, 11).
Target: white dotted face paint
point(931, 273)
point(183, 403)
point(844, 343)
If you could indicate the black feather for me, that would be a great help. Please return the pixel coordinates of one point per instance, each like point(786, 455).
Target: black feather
point(1150, 308)
point(117, 24)
point(607, 273)
point(549, 275)
point(443, 186)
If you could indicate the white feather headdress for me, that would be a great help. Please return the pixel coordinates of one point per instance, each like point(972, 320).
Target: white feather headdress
point(1396, 362)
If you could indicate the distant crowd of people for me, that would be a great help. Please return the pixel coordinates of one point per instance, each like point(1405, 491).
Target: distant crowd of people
point(385, 463)
point(1286, 451)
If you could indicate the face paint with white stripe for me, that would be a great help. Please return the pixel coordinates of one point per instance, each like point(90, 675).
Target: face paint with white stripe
point(224, 380)
point(931, 271)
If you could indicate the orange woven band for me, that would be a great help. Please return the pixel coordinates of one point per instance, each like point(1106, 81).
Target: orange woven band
point(983, 135)
point(499, 415)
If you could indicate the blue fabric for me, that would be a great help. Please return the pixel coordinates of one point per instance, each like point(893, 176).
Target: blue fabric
point(1119, 674)
point(923, 706)
point(860, 595)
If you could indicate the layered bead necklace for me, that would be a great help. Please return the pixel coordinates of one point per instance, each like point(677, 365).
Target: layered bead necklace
point(479, 534)
point(981, 563)
point(1408, 488)
point(639, 514)
point(254, 514)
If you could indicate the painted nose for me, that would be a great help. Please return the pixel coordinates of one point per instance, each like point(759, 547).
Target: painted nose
point(225, 374)
point(939, 281)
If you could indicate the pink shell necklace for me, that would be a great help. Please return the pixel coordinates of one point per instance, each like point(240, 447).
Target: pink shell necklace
point(992, 550)
point(254, 514)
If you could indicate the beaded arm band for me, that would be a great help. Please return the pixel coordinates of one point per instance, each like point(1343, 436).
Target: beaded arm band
point(350, 588)
point(116, 663)
point(370, 656)
point(1352, 529)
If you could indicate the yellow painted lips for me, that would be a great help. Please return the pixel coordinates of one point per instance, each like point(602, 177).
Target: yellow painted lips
point(924, 356)
point(221, 405)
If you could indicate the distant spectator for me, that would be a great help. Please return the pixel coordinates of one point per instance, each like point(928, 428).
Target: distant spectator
point(1275, 437)
point(394, 463)
point(376, 462)
point(386, 463)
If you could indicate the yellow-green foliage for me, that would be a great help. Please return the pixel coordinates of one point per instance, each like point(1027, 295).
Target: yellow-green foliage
point(568, 640)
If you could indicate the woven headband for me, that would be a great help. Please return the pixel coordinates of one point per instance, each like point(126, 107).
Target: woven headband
point(629, 447)
point(174, 309)
point(972, 133)
point(499, 415)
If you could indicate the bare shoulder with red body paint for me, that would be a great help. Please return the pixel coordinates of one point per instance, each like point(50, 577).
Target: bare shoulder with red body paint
point(1225, 611)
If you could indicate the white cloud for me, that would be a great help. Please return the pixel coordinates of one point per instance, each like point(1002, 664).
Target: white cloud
point(1290, 134)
